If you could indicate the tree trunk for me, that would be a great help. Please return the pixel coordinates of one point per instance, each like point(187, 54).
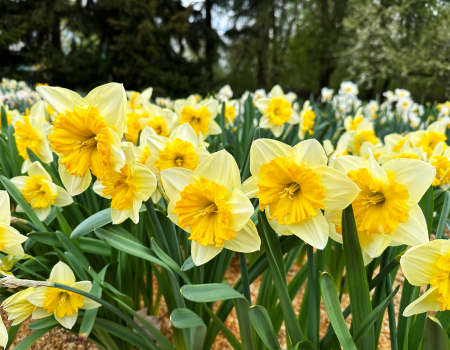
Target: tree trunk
point(209, 45)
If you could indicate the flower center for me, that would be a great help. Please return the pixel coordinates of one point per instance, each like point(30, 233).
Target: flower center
point(378, 208)
point(65, 303)
point(120, 187)
point(199, 120)
point(179, 153)
point(26, 137)
point(279, 111)
point(430, 140)
point(442, 165)
point(292, 192)
point(159, 125)
point(442, 281)
point(79, 137)
point(203, 209)
point(38, 193)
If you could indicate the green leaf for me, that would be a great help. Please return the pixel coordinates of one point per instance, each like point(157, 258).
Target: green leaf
point(34, 158)
point(97, 220)
point(185, 318)
point(313, 295)
point(333, 307)
point(188, 264)
point(169, 261)
point(32, 338)
point(5, 163)
point(12, 332)
point(263, 326)
point(206, 293)
point(245, 170)
point(434, 336)
point(15, 193)
point(94, 246)
point(245, 326)
point(356, 277)
point(304, 345)
point(374, 315)
point(444, 215)
point(4, 120)
point(43, 323)
point(73, 249)
point(16, 159)
point(268, 236)
point(427, 205)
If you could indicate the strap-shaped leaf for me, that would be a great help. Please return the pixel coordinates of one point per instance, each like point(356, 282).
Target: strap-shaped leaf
point(333, 307)
point(434, 336)
point(263, 326)
point(185, 318)
point(374, 315)
point(188, 264)
point(444, 215)
point(32, 338)
point(206, 293)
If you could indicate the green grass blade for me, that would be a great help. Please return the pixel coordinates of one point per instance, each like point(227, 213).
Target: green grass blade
point(444, 215)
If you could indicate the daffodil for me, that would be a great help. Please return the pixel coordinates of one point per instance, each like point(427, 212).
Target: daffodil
point(294, 185)
point(10, 238)
point(180, 150)
point(425, 264)
point(209, 204)
point(360, 131)
point(276, 111)
point(87, 132)
point(127, 188)
point(3, 334)
point(400, 147)
point(199, 115)
point(440, 159)
point(307, 117)
point(62, 304)
point(136, 99)
point(429, 138)
point(231, 112)
point(162, 121)
point(30, 132)
point(40, 192)
point(18, 307)
point(386, 210)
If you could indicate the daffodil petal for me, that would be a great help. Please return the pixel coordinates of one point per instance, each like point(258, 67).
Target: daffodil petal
point(61, 99)
point(90, 304)
point(214, 128)
point(9, 236)
point(416, 175)
point(3, 334)
point(313, 231)
point(264, 150)
point(262, 104)
point(202, 254)
point(221, 168)
point(250, 186)
point(61, 273)
point(15, 250)
point(340, 191)
point(118, 216)
point(413, 231)
point(5, 208)
point(38, 297)
point(42, 213)
point(212, 105)
point(346, 163)
point(419, 263)
point(74, 184)
point(241, 210)
point(85, 286)
point(246, 241)
point(39, 313)
point(278, 228)
point(67, 321)
point(186, 133)
point(277, 130)
point(63, 198)
point(174, 181)
point(111, 101)
point(376, 244)
point(426, 302)
point(265, 122)
point(20, 182)
point(36, 169)
point(378, 174)
point(144, 180)
point(310, 153)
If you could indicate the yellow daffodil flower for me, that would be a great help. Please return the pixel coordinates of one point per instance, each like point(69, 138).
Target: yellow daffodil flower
point(276, 111)
point(425, 264)
point(30, 132)
point(363, 132)
point(307, 117)
point(40, 192)
point(440, 159)
point(18, 307)
point(10, 238)
point(429, 138)
point(128, 188)
point(199, 115)
point(180, 150)
point(210, 205)
point(137, 100)
point(294, 185)
point(386, 210)
point(87, 132)
point(352, 123)
point(231, 112)
point(64, 305)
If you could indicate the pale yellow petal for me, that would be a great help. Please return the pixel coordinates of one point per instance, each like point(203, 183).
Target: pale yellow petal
point(36, 169)
point(5, 208)
point(419, 263)
point(85, 286)
point(250, 186)
point(277, 130)
point(241, 210)
point(311, 153)
point(313, 231)
point(118, 216)
point(264, 150)
point(39, 313)
point(9, 236)
point(90, 304)
point(378, 174)
point(214, 128)
point(38, 297)
point(61, 99)
point(276, 92)
point(61, 273)
point(15, 250)
point(174, 181)
point(426, 302)
point(212, 106)
point(20, 182)
point(144, 180)
point(63, 198)
point(221, 168)
point(111, 101)
point(246, 241)
point(413, 231)
point(201, 153)
point(262, 104)
point(42, 213)
point(74, 184)
point(202, 254)
point(185, 132)
point(3, 334)
point(67, 321)
point(346, 163)
point(278, 228)
point(373, 245)
point(416, 175)
point(340, 191)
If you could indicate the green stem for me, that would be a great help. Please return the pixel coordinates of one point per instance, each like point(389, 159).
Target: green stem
point(313, 330)
point(157, 229)
point(244, 274)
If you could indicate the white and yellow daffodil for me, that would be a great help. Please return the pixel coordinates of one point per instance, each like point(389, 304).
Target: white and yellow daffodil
point(10, 238)
point(62, 304)
point(429, 138)
point(210, 205)
point(127, 188)
point(359, 131)
point(386, 210)
point(87, 132)
point(179, 150)
point(199, 115)
point(3, 335)
point(425, 264)
point(276, 111)
point(294, 185)
point(440, 159)
point(138, 99)
point(399, 146)
point(40, 192)
point(231, 112)
point(31, 132)
point(18, 307)
point(306, 124)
